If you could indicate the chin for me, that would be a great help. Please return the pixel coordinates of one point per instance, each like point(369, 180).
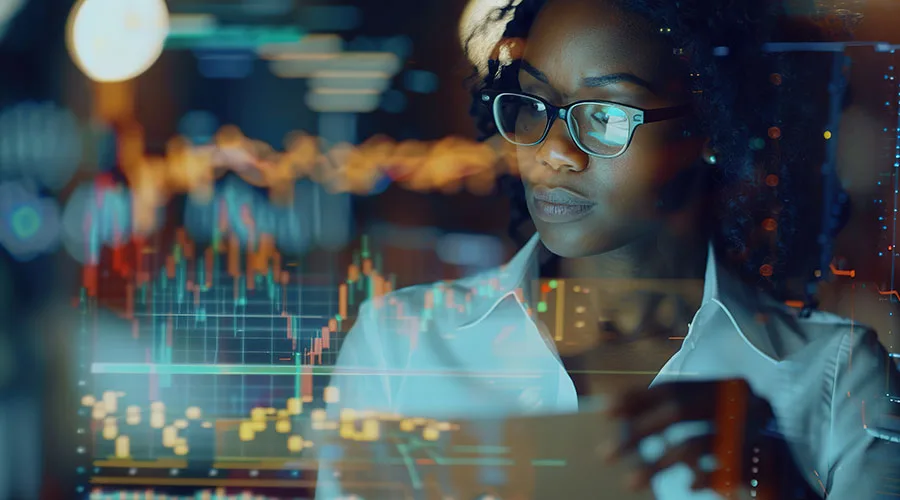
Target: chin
point(574, 242)
point(591, 236)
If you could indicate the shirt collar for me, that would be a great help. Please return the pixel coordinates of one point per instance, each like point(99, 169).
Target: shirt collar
point(744, 306)
point(488, 289)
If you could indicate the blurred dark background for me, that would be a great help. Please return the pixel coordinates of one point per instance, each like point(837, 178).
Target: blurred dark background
point(36, 397)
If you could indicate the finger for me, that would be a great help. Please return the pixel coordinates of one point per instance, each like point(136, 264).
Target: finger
point(689, 452)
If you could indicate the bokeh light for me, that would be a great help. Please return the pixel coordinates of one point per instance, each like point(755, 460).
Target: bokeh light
point(29, 224)
point(330, 17)
point(245, 210)
point(470, 250)
point(225, 63)
point(198, 126)
point(39, 142)
point(422, 82)
point(8, 10)
point(113, 41)
point(393, 101)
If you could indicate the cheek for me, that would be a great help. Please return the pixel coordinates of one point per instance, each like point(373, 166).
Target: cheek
point(659, 155)
point(633, 181)
point(627, 182)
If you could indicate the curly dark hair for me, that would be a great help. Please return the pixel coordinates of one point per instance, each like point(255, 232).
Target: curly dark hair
point(764, 112)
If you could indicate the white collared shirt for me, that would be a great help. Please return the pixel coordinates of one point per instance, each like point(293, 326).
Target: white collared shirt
point(471, 348)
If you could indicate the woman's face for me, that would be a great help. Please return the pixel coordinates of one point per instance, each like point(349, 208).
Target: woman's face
point(590, 50)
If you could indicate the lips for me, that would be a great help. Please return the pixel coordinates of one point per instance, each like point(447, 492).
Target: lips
point(558, 205)
point(559, 196)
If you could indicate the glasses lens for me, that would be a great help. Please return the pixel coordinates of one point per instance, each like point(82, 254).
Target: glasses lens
point(520, 119)
point(602, 129)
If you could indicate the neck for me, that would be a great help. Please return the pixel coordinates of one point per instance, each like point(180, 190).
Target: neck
point(669, 254)
point(632, 283)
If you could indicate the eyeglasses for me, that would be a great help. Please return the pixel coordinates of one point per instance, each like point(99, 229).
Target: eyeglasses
point(599, 128)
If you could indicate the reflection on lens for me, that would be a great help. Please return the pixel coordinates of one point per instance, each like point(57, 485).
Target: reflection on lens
point(601, 128)
point(598, 128)
point(521, 119)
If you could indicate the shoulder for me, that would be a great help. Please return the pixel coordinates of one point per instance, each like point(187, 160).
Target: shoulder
point(442, 305)
point(412, 305)
point(382, 321)
point(822, 325)
point(782, 333)
point(394, 323)
point(835, 338)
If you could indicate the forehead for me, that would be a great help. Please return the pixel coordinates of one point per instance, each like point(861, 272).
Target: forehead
point(574, 39)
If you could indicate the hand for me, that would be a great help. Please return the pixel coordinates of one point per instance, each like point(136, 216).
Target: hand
point(724, 448)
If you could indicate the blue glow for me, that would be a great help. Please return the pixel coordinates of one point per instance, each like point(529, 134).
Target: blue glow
point(423, 82)
point(198, 126)
point(393, 101)
point(25, 221)
point(29, 224)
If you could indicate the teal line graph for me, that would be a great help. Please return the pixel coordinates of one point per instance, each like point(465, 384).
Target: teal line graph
point(195, 369)
point(297, 367)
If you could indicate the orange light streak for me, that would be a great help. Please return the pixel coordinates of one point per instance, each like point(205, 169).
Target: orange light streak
point(837, 272)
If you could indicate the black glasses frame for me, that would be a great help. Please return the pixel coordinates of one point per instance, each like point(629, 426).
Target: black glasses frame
point(636, 117)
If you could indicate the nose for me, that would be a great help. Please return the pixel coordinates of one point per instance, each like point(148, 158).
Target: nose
point(559, 152)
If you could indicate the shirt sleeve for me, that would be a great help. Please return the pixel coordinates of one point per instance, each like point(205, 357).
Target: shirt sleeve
point(862, 448)
point(360, 377)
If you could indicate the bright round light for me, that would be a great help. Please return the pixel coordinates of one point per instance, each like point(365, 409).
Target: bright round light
point(116, 40)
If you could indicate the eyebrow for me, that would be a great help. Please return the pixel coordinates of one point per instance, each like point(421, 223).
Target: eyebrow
point(593, 81)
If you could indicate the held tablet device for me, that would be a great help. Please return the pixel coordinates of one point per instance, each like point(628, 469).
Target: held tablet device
point(547, 457)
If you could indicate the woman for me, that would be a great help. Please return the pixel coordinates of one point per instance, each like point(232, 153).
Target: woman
point(645, 140)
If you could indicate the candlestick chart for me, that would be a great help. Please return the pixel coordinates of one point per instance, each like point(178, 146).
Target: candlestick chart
point(207, 358)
